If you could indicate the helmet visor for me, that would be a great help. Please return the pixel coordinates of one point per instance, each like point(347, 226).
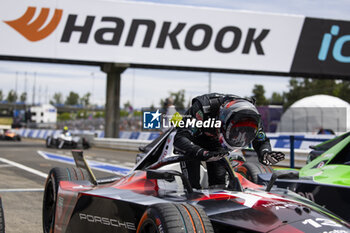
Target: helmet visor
point(240, 134)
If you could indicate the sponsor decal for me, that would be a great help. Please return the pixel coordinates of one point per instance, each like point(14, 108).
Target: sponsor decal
point(323, 48)
point(279, 205)
point(107, 221)
point(228, 39)
point(169, 32)
point(33, 30)
point(308, 195)
point(337, 45)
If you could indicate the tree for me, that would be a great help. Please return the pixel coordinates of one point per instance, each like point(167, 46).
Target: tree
point(57, 99)
point(343, 90)
point(99, 114)
point(72, 98)
point(127, 105)
point(23, 97)
point(1, 95)
point(276, 99)
point(64, 116)
point(259, 95)
point(302, 87)
point(85, 100)
point(11, 96)
point(178, 99)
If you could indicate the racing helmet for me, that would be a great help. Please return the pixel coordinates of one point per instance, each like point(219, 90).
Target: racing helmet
point(240, 122)
point(65, 128)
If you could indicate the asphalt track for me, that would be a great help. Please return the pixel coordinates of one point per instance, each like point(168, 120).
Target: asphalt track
point(22, 177)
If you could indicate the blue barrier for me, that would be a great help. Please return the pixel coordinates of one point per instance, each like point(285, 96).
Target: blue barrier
point(294, 142)
point(301, 141)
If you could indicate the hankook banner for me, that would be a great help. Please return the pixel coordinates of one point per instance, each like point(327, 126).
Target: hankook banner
point(172, 36)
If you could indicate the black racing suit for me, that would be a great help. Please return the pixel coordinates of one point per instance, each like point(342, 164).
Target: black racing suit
point(192, 141)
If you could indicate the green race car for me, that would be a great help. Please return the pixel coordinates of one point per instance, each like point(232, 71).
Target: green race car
point(325, 179)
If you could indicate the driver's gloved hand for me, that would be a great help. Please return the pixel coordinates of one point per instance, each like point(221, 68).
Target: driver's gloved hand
point(271, 157)
point(210, 156)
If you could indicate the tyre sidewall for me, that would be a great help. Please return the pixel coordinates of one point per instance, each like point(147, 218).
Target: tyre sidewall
point(154, 217)
point(2, 218)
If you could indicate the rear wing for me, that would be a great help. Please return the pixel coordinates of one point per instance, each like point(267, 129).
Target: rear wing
point(80, 162)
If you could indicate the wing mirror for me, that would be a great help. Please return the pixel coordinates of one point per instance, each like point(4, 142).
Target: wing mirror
point(282, 174)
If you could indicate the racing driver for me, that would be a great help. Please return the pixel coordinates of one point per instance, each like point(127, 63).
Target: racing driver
point(240, 126)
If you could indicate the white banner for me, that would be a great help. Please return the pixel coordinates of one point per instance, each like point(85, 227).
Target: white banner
point(148, 34)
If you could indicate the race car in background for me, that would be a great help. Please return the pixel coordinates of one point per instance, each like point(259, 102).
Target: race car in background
point(156, 197)
point(325, 179)
point(67, 140)
point(8, 134)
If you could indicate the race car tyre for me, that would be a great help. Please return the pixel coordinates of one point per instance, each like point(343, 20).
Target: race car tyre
point(2, 218)
point(174, 218)
point(18, 138)
point(56, 175)
point(47, 143)
point(86, 144)
point(251, 170)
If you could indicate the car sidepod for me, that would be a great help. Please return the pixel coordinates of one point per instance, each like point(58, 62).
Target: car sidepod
point(255, 211)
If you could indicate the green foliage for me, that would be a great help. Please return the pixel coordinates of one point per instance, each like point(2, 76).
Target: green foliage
point(99, 114)
point(72, 98)
point(259, 95)
point(85, 100)
point(57, 99)
point(11, 96)
point(178, 99)
point(137, 113)
point(1, 95)
point(302, 87)
point(82, 114)
point(276, 99)
point(64, 116)
point(127, 105)
point(124, 113)
point(23, 97)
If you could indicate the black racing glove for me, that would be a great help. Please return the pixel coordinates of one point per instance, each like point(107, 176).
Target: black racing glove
point(210, 156)
point(271, 157)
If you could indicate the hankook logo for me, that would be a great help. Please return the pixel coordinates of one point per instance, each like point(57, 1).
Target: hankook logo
point(33, 31)
point(110, 29)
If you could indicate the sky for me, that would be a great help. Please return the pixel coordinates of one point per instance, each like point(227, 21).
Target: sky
point(145, 87)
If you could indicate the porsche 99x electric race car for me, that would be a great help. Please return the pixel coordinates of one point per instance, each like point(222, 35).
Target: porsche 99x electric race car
point(156, 197)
